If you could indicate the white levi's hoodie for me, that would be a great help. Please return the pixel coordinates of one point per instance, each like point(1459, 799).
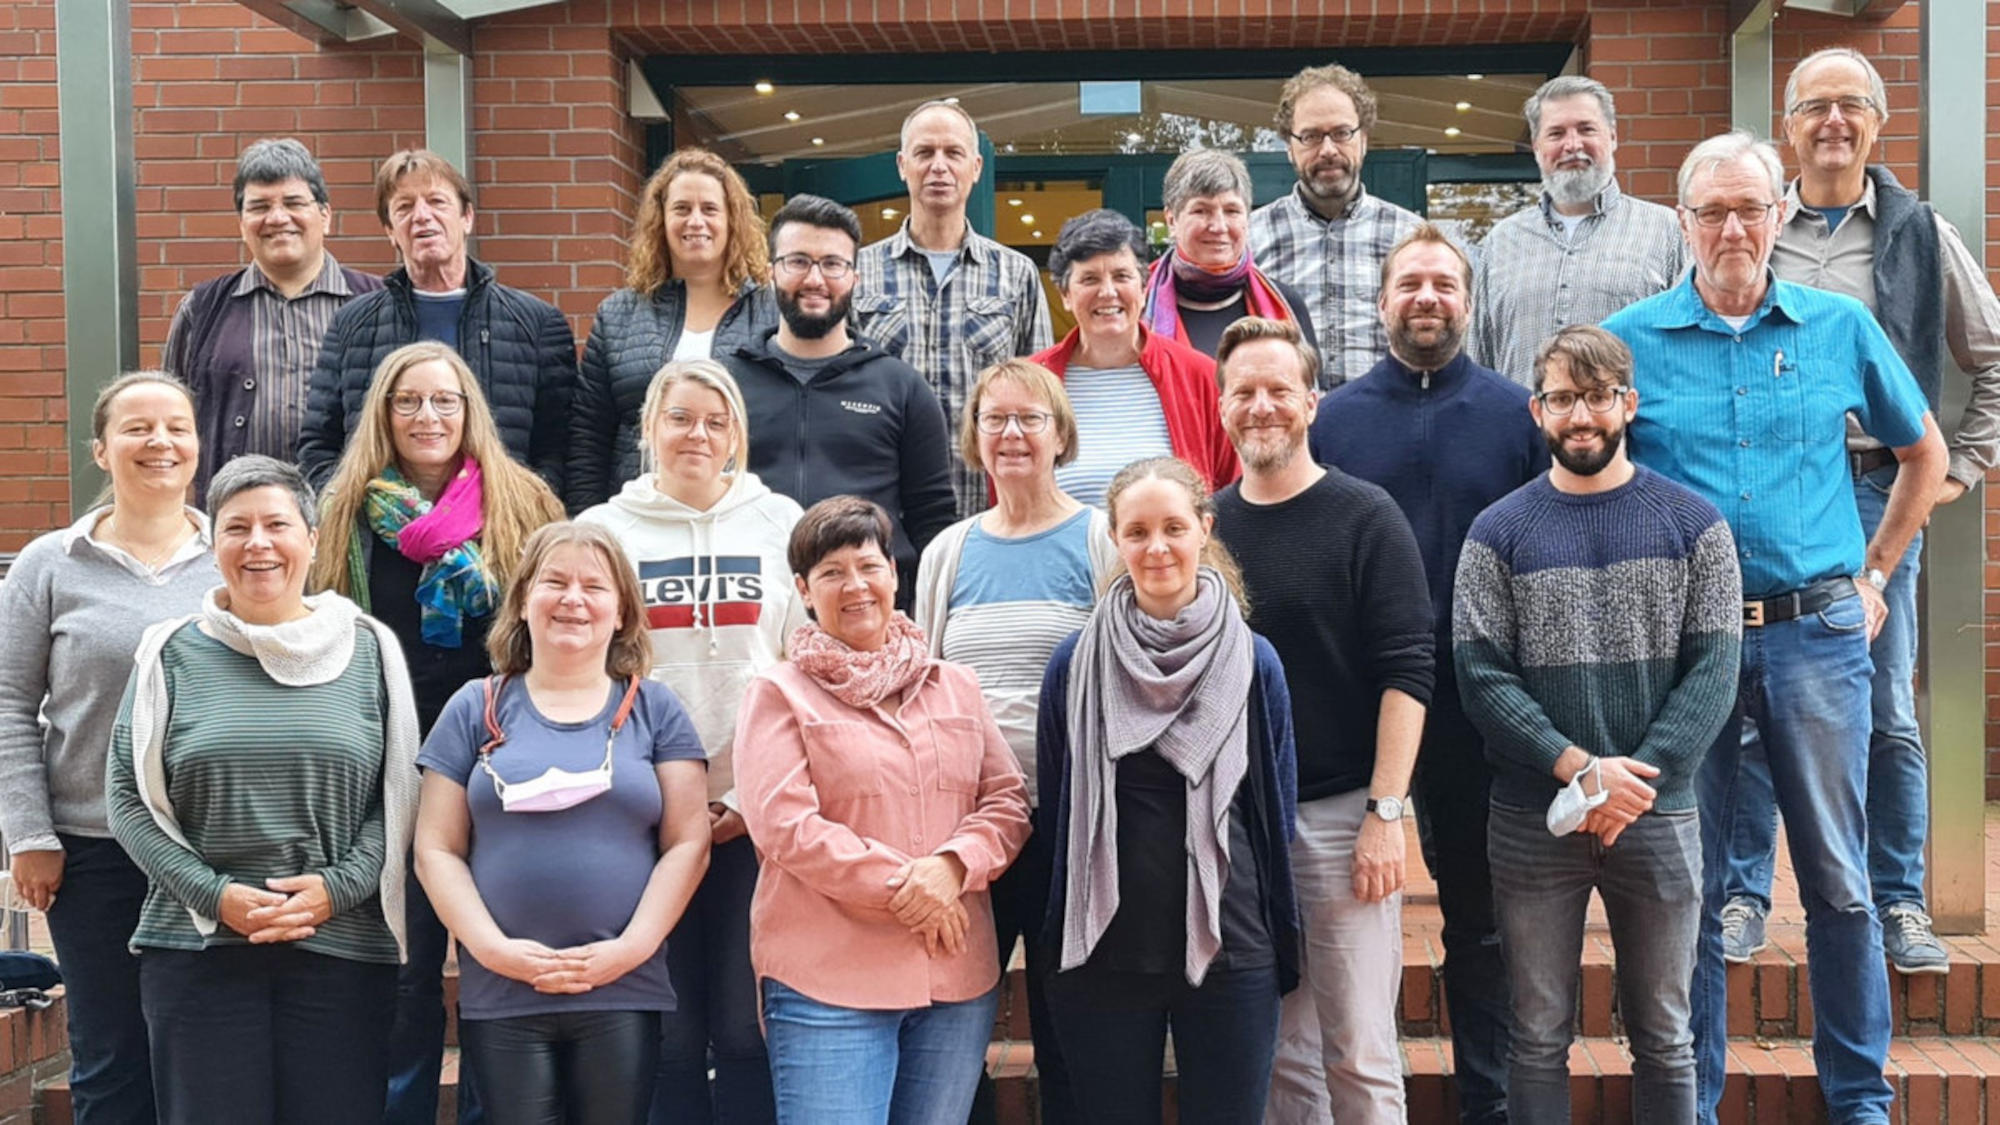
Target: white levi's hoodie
point(720, 601)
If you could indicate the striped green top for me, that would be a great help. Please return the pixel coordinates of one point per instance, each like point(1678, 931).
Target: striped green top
point(266, 781)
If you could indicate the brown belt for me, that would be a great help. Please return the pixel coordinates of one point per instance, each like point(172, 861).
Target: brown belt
point(1869, 460)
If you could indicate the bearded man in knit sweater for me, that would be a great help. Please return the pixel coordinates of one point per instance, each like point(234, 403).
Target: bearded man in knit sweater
point(1597, 634)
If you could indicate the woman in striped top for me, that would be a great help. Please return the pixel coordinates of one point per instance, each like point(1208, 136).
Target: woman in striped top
point(262, 774)
point(998, 592)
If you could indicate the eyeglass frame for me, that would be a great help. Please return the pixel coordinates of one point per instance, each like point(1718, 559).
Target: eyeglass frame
point(1619, 392)
point(1325, 135)
point(707, 422)
point(432, 400)
point(1018, 418)
point(832, 267)
point(1722, 220)
point(1851, 105)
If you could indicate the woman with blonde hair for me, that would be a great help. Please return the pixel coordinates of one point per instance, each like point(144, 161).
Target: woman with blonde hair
point(694, 283)
point(708, 541)
point(423, 525)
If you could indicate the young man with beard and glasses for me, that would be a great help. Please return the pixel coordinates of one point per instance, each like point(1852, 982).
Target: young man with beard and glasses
point(1851, 228)
point(831, 414)
point(1446, 437)
point(1596, 634)
point(1328, 237)
point(1585, 250)
point(1337, 586)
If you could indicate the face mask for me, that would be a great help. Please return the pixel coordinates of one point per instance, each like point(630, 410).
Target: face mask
point(555, 789)
point(1571, 806)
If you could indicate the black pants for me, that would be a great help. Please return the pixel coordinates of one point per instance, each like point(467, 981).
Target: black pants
point(1020, 901)
point(1113, 1028)
point(715, 1003)
point(95, 912)
point(416, 1042)
point(263, 1034)
point(1453, 786)
point(571, 1068)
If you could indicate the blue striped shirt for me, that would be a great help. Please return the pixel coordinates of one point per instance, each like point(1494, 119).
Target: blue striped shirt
point(1119, 420)
point(1754, 420)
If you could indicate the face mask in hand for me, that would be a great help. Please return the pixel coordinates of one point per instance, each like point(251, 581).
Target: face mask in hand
point(1584, 792)
point(554, 789)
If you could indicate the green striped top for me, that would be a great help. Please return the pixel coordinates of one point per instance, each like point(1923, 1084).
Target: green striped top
point(266, 781)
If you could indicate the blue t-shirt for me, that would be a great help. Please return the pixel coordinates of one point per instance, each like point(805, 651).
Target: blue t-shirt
point(569, 877)
point(437, 316)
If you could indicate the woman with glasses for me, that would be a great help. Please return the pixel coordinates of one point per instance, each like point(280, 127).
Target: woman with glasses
point(1136, 393)
point(1207, 282)
point(997, 593)
point(424, 521)
point(708, 541)
point(562, 830)
point(694, 284)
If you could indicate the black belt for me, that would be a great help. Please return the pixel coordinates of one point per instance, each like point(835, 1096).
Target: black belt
point(1797, 603)
point(1869, 460)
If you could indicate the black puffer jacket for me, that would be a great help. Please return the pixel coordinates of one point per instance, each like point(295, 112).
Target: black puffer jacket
point(630, 341)
point(518, 345)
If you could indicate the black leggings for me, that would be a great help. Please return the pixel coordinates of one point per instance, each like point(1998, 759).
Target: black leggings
point(579, 1068)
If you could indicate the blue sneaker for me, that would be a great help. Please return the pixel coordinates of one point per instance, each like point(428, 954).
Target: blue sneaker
point(1742, 930)
point(1907, 939)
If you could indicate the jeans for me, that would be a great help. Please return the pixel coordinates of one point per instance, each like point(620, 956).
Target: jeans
point(1899, 810)
point(858, 1066)
point(1338, 1057)
point(416, 1041)
point(1453, 782)
point(565, 1068)
point(708, 957)
point(1805, 683)
point(1650, 881)
point(1020, 902)
point(263, 1034)
point(1113, 1028)
point(95, 912)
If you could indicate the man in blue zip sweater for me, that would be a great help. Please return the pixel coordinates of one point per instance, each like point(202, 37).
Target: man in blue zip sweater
point(1445, 437)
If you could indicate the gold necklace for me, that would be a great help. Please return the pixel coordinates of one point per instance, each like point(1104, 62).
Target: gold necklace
point(158, 558)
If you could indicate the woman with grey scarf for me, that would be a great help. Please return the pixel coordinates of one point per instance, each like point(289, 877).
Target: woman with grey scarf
point(1166, 718)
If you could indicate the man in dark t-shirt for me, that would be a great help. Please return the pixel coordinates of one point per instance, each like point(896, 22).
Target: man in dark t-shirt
point(1336, 585)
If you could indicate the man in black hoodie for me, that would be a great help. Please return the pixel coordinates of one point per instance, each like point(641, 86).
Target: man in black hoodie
point(832, 414)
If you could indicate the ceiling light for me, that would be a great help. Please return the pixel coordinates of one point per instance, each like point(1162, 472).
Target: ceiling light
point(819, 140)
point(951, 101)
point(764, 86)
point(1463, 106)
point(1474, 77)
point(888, 212)
point(1010, 146)
point(1133, 138)
point(1034, 234)
point(1452, 131)
point(791, 115)
point(1028, 219)
point(1013, 203)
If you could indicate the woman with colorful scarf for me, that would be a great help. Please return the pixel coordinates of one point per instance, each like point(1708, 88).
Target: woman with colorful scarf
point(424, 523)
point(1207, 282)
point(1166, 720)
point(884, 801)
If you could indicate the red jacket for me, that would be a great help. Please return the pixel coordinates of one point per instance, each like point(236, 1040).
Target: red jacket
point(1185, 381)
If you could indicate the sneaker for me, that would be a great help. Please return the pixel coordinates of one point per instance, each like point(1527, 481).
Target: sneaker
point(1907, 938)
point(1742, 930)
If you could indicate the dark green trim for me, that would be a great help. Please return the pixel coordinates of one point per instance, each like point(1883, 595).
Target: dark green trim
point(1480, 168)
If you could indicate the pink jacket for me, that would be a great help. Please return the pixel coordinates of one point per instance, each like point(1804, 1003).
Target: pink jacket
point(838, 799)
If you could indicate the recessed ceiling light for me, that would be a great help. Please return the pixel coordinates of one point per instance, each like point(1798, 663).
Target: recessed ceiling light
point(1133, 138)
point(1013, 203)
point(889, 212)
point(951, 101)
point(1463, 106)
point(1034, 234)
point(1010, 146)
point(1452, 131)
point(791, 115)
point(764, 86)
point(1474, 77)
point(819, 140)
point(1028, 219)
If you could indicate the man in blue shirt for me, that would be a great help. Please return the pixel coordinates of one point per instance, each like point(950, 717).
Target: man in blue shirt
point(1747, 381)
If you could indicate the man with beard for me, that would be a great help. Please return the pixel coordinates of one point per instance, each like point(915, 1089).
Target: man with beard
point(1596, 634)
point(1446, 437)
point(1750, 380)
point(831, 414)
point(1328, 237)
point(1337, 587)
point(1585, 250)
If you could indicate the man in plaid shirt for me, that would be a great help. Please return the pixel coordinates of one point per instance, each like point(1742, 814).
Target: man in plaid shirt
point(1329, 237)
point(947, 300)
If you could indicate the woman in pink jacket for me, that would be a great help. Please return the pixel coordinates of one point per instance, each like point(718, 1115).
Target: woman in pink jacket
point(884, 800)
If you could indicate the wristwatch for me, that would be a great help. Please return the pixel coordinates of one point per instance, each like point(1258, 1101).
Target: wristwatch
point(1388, 808)
point(1874, 577)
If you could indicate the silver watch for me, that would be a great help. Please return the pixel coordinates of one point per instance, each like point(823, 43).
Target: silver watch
point(1874, 577)
point(1388, 808)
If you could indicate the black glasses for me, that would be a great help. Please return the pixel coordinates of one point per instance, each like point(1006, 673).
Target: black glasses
point(1313, 138)
point(1853, 105)
point(1600, 400)
point(1030, 421)
point(798, 265)
point(1750, 214)
point(443, 403)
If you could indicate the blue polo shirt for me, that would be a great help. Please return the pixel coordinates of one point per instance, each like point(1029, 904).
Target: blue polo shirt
point(1753, 420)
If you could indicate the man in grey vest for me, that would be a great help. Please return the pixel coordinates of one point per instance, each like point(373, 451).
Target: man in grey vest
point(1851, 228)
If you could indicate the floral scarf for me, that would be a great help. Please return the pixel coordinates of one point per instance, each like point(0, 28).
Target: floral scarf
point(857, 678)
point(443, 537)
point(1174, 276)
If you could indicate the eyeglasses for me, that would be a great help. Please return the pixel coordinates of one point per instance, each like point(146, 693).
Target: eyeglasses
point(1030, 421)
point(1600, 400)
point(1750, 214)
point(1313, 138)
point(681, 421)
point(443, 403)
point(1853, 105)
point(798, 265)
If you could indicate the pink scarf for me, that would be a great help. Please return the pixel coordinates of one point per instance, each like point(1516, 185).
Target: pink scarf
point(856, 678)
point(455, 518)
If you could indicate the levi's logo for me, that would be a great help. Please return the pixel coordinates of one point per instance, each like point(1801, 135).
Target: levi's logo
point(860, 407)
point(730, 587)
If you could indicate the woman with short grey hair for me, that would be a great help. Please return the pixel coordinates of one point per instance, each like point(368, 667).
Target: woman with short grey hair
point(262, 774)
point(1206, 281)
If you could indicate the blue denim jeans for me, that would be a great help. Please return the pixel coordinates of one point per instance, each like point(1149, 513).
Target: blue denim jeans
point(1899, 809)
point(95, 912)
point(1650, 881)
point(858, 1066)
point(416, 1039)
point(1805, 683)
point(715, 998)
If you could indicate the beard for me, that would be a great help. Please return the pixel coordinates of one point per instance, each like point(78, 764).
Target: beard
point(1427, 350)
point(1332, 180)
point(1270, 456)
point(812, 326)
point(1585, 462)
point(1574, 187)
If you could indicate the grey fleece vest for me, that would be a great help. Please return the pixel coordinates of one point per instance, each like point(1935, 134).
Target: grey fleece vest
point(1909, 282)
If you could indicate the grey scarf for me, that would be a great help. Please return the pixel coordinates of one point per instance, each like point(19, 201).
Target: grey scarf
point(1180, 688)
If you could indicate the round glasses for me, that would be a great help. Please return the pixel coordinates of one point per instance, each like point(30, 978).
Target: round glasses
point(1030, 421)
point(443, 403)
point(1600, 400)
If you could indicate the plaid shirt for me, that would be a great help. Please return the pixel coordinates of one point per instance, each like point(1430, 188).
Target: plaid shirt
point(1337, 266)
point(1534, 277)
point(989, 308)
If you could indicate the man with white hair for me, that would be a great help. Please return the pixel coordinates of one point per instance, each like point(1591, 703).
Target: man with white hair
point(1748, 379)
point(1851, 228)
point(1584, 251)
